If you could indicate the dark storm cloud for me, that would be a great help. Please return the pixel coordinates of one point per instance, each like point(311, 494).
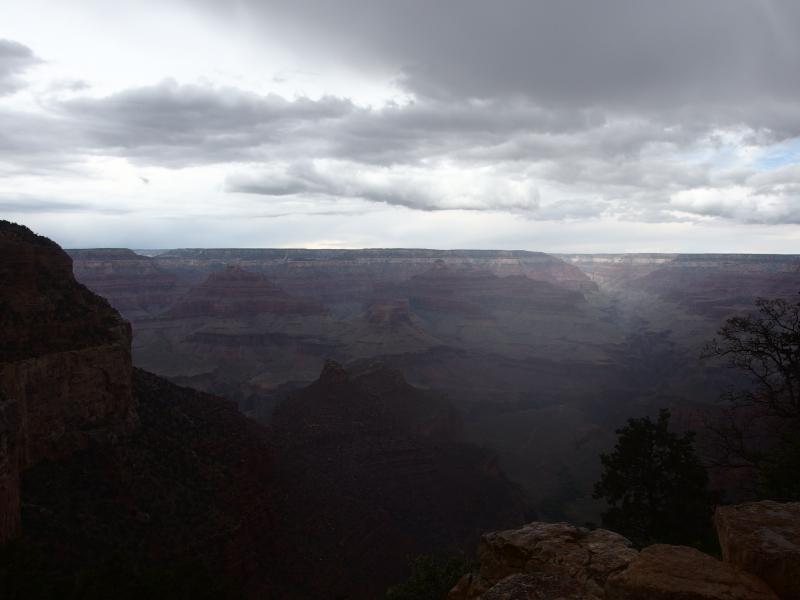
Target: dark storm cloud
point(181, 125)
point(15, 59)
point(645, 55)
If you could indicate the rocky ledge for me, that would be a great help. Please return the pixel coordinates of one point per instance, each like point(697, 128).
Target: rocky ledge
point(760, 544)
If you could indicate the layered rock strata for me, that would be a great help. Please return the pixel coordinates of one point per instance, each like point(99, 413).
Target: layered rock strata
point(233, 292)
point(134, 284)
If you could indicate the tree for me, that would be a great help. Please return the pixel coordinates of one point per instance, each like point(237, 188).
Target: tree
point(758, 430)
point(655, 485)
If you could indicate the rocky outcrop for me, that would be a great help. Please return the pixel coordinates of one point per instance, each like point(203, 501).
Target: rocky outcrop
point(65, 364)
point(763, 538)
point(557, 560)
point(585, 558)
point(663, 572)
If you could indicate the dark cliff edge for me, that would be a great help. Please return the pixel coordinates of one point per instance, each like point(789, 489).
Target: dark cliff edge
point(114, 482)
point(65, 364)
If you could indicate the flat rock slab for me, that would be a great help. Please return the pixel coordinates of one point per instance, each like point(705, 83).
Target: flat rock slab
point(763, 538)
point(663, 572)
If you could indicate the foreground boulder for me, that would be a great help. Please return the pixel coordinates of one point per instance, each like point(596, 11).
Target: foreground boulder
point(549, 561)
point(585, 558)
point(763, 538)
point(663, 572)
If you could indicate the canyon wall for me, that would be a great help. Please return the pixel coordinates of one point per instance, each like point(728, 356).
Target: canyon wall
point(65, 364)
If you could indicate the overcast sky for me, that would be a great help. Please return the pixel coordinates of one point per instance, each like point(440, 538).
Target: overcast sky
point(568, 125)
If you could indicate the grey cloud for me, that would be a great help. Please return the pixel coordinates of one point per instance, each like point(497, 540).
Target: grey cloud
point(614, 166)
point(770, 197)
point(720, 57)
point(601, 101)
point(15, 59)
point(411, 189)
point(37, 144)
point(33, 205)
point(179, 125)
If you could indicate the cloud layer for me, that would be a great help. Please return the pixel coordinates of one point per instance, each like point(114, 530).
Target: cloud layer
point(650, 112)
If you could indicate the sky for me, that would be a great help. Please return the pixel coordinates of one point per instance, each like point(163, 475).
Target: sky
point(569, 126)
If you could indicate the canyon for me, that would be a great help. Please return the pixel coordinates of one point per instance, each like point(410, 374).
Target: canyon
point(543, 356)
point(381, 405)
point(115, 481)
